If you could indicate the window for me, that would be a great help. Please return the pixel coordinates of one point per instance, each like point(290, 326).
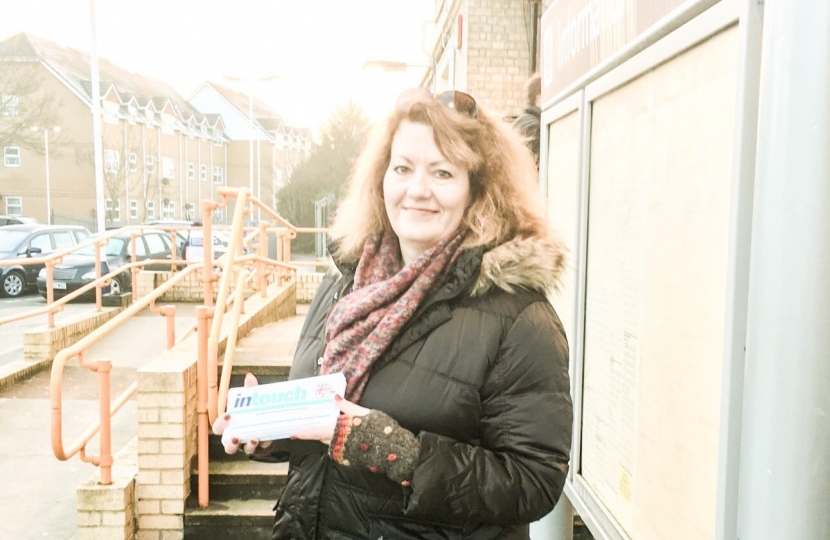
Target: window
point(169, 210)
point(113, 210)
point(191, 170)
point(151, 209)
point(155, 243)
point(14, 206)
point(133, 209)
point(149, 163)
point(203, 173)
point(41, 242)
point(168, 168)
point(63, 239)
point(112, 160)
point(81, 236)
point(204, 129)
point(140, 246)
point(9, 105)
point(133, 162)
point(190, 212)
point(11, 156)
point(217, 175)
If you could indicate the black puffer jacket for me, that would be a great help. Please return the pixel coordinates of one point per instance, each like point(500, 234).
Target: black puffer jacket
point(480, 375)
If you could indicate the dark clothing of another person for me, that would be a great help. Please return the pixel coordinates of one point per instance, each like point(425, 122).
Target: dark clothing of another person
point(480, 376)
point(529, 125)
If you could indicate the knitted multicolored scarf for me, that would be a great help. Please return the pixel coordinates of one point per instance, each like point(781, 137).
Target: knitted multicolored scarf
point(384, 297)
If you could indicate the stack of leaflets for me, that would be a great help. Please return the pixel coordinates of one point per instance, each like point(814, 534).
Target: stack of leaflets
point(276, 411)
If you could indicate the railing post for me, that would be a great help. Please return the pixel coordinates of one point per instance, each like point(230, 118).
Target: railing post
point(203, 313)
point(98, 302)
point(133, 269)
point(286, 250)
point(207, 241)
point(105, 460)
point(262, 251)
point(169, 313)
point(175, 249)
point(221, 300)
point(50, 292)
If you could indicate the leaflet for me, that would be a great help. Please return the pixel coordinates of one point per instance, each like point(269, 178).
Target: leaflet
point(277, 410)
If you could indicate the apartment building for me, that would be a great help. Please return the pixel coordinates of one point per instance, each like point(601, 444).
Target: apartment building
point(162, 155)
point(262, 149)
point(487, 48)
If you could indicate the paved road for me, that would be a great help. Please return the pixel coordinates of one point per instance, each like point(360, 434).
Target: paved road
point(37, 492)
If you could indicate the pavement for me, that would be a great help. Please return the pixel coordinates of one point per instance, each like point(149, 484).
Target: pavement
point(11, 334)
point(37, 491)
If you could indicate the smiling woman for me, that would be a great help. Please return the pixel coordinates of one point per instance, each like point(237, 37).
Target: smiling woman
point(456, 418)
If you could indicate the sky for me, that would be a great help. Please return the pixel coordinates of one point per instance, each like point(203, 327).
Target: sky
point(315, 48)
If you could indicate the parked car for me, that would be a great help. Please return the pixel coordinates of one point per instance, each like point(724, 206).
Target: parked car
point(78, 269)
point(193, 247)
point(17, 220)
point(181, 235)
point(195, 238)
point(32, 240)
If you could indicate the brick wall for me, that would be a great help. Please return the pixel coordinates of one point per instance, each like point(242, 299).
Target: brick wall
point(190, 289)
point(307, 285)
point(166, 441)
point(107, 512)
point(43, 343)
point(498, 57)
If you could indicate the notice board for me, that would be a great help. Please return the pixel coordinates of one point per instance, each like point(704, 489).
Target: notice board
point(656, 276)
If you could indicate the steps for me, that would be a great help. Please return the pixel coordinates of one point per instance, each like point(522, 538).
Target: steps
point(243, 491)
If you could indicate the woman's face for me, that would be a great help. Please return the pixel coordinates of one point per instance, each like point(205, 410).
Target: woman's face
point(425, 195)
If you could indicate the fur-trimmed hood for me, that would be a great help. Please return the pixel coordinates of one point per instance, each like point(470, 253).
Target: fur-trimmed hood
point(534, 263)
point(522, 263)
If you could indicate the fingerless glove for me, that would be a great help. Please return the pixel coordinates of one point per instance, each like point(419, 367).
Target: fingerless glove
point(375, 442)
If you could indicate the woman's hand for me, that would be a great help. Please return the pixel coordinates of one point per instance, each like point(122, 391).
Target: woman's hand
point(221, 423)
point(324, 433)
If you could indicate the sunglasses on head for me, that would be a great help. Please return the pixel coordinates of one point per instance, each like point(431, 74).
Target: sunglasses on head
point(451, 99)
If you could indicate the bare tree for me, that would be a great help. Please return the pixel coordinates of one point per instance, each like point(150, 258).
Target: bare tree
point(23, 104)
point(123, 175)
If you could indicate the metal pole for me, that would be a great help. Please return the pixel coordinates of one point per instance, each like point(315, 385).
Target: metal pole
point(785, 443)
point(96, 119)
point(534, 34)
point(104, 412)
point(48, 190)
point(203, 313)
point(251, 142)
point(738, 257)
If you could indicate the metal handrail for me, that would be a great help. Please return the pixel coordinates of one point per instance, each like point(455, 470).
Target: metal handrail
point(212, 394)
point(56, 257)
point(104, 460)
point(246, 269)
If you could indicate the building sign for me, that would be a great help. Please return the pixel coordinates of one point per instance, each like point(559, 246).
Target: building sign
point(578, 35)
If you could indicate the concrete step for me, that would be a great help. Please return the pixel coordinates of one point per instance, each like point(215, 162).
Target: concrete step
point(250, 519)
point(244, 479)
point(217, 452)
point(266, 352)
